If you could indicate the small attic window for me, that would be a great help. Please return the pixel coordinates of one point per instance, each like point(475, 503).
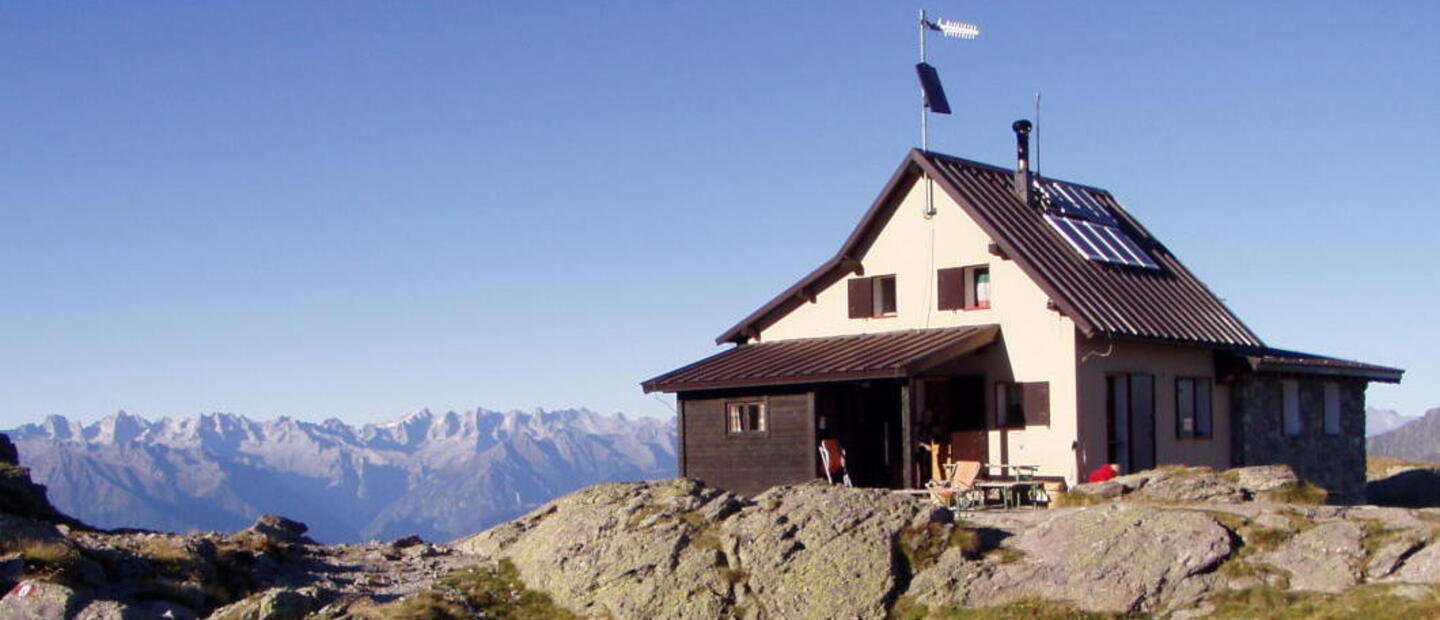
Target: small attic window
point(963, 288)
point(872, 297)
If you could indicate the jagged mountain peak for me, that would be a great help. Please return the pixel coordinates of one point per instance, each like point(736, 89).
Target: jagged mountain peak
point(437, 474)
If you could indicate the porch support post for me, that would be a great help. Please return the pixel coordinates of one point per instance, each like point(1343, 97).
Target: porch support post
point(907, 440)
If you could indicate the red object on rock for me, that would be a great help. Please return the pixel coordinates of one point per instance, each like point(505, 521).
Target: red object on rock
point(1104, 472)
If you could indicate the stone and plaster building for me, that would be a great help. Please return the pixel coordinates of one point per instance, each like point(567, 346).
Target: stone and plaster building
point(986, 313)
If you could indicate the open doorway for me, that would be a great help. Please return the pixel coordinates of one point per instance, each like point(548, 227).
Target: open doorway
point(865, 418)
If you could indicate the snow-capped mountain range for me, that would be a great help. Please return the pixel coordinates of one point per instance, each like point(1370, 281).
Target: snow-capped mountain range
point(437, 475)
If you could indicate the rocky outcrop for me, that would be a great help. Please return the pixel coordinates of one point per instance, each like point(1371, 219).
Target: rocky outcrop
point(1112, 558)
point(677, 549)
point(1176, 484)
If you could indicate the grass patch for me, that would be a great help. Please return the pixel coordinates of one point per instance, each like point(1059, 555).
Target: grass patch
point(923, 545)
point(1372, 602)
point(1004, 555)
point(1076, 500)
point(1027, 609)
point(488, 591)
point(1302, 492)
point(1378, 467)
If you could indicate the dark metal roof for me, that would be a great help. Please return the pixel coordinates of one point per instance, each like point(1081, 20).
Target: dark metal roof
point(1168, 304)
point(1282, 361)
point(838, 358)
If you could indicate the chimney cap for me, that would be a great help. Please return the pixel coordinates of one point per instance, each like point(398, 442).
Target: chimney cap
point(1021, 126)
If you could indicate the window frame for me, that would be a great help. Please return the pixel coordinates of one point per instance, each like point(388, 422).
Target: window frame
point(732, 418)
point(966, 279)
point(878, 296)
point(1201, 389)
point(1331, 410)
point(1290, 409)
point(1019, 404)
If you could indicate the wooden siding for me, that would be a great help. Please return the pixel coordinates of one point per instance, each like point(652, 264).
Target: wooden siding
point(749, 463)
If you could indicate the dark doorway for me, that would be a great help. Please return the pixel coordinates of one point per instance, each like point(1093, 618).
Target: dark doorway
point(865, 418)
point(1130, 420)
point(952, 417)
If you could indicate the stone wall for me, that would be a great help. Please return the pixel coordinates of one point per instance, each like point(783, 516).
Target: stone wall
point(1336, 462)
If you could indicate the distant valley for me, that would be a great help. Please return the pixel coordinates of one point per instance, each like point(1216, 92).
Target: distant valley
point(437, 475)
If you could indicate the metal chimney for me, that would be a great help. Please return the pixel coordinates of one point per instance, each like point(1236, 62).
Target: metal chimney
point(1022, 159)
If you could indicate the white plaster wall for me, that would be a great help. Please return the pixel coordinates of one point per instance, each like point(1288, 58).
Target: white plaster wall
point(1040, 343)
point(1166, 362)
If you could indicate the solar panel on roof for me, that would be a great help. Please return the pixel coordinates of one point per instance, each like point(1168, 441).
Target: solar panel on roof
point(1072, 201)
point(1100, 242)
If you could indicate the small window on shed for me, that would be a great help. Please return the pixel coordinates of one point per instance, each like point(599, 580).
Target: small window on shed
point(963, 288)
point(1290, 404)
point(746, 417)
point(1332, 408)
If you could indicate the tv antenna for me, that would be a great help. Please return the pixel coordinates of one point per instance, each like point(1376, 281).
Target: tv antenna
point(932, 94)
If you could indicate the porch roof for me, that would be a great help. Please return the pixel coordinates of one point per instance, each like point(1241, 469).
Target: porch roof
point(886, 355)
point(1282, 361)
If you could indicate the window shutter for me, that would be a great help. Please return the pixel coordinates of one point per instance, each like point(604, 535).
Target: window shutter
point(1037, 404)
point(862, 300)
point(951, 285)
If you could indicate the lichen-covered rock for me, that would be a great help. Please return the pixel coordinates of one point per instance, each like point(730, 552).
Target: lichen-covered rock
point(273, 604)
point(1191, 485)
point(1325, 558)
point(1421, 567)
point(1261, 478)
point(626, 550)
point(40, 600)
point(1112, 558)
point(134, 610)
point(816, 551)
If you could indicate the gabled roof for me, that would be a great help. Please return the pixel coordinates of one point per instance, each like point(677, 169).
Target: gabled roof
point(1167, 304)
point(887, 355)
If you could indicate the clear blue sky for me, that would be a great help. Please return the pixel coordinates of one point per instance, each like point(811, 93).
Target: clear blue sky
point(359, 209)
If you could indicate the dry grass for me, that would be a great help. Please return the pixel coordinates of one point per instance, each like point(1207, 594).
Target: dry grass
point(1076, 500)
point(485, 592)
point(1378, 467)
point(1027, 609)
point(1301, 493)
point(1372, 602)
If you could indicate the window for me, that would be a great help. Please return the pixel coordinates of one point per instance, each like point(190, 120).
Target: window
point(963, 288)
point(1332, 409)
point(1194, 415)
point(746, 417)
point(872, 297)
point(1022, 404)
point(1290, 404)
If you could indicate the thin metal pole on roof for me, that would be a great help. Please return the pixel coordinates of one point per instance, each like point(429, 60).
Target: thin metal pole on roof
point(924, 109)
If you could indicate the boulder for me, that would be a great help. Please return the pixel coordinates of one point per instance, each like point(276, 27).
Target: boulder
point(135, 610)
point(817, 551)
point(626, 550)
point(1190, 485)
point(40, 600)
point(273, 604)
point(1326, 558)
point(1261, 478)
point(1113, 558)
point(279, 529)
point(1421, 567)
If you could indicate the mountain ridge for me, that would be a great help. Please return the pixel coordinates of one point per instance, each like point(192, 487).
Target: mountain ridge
point(439, 475)
point(1416, 440)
